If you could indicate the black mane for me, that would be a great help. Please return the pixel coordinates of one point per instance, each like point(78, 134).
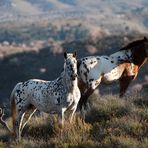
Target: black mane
point(135, 44)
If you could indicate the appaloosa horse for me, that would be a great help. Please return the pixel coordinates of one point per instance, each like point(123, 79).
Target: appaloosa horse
point(122, 65)
point(55, 96)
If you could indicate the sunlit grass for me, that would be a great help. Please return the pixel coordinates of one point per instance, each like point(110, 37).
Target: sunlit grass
point(110, 122)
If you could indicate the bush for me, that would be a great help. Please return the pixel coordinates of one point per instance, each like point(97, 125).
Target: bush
point(107, 108)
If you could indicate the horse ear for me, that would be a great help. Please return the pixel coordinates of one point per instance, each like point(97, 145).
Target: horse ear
point(145, 38)
point(65, 55)
point(74, 54)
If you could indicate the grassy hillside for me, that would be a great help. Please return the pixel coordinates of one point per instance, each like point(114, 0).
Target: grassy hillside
point(111, 122)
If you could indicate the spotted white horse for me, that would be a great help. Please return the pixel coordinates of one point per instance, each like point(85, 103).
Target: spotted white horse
point(57, 96)
point(122, 65)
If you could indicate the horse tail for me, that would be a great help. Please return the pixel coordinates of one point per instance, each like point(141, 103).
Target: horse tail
point(13, 106)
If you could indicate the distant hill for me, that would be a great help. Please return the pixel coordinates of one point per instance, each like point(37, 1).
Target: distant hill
point(114, 14)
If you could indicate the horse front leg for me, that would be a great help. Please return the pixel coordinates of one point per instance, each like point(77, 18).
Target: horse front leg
point(61, 118)
point(84, 98)
point(124, 83)
point(92, 85)
point(83, 102)
point(73, 110)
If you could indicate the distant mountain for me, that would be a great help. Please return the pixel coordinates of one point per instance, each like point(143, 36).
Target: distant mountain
point(112, 14)
point(115, 6)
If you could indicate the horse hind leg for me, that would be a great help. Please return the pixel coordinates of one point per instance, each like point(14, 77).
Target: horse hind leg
point(18, 124)
point(28, 117)
point(17, 117)
point(21, 109)
point(124, 83)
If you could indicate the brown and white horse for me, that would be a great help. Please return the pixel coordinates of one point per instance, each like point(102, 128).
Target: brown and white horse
point(122, 65)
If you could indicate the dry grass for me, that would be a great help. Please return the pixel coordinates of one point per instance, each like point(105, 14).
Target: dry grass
point(111, 122)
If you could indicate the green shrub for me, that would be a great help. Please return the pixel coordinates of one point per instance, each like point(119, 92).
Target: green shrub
point(107, 108)
point(141, 101)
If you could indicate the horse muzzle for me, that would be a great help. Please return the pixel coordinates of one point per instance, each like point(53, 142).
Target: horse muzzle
point(74, 76)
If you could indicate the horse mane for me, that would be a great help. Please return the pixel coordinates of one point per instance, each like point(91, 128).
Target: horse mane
point(134, 44)
point(78, 63)
point(138, 56)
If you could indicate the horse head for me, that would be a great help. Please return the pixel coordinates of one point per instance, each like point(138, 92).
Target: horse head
point(70, 66)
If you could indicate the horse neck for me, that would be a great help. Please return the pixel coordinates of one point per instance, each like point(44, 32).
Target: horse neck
point(139, 56)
